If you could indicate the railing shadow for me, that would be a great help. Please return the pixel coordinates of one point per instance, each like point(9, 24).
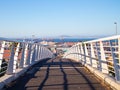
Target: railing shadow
point(45, 79)
point(64, 77)
point(65, 84)
point(89, 82)
point(21, 82)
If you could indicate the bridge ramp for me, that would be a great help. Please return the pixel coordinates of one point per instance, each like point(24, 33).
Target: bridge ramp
point(58, 74)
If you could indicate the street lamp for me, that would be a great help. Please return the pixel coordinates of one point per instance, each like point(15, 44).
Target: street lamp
point(116, 42)
point(116, 27)
point(33, 36)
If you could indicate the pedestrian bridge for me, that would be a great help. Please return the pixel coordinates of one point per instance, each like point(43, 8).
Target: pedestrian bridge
point(90, 65)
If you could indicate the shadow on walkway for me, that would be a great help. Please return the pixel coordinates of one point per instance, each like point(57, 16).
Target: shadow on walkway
point(57, 74)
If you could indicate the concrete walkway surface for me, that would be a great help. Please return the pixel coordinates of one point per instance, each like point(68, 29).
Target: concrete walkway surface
point(58, 74)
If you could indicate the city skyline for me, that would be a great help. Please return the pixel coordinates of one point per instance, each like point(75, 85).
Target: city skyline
point(51, 18)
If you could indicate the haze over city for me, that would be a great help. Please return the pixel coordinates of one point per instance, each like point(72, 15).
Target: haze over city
point(52, 18)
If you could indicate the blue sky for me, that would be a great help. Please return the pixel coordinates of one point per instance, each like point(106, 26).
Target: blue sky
point(24, 18)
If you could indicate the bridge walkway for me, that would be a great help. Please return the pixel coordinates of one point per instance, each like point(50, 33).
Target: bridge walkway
point(58, 74)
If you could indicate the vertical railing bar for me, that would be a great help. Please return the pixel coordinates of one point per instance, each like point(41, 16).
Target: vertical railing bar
point(11, 61)
point(2, 52)
point(104, 66)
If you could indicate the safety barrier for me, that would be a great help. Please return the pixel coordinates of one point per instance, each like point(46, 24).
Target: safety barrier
point(16, 57)
point(100, 56)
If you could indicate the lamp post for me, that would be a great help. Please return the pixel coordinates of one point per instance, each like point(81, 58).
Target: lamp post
point(33, 36)
point(116, 43)
point(116, 27)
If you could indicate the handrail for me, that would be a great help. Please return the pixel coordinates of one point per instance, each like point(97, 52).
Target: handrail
point(18, 55)
point(9, 40)
point(97, 54)
point(103, 39)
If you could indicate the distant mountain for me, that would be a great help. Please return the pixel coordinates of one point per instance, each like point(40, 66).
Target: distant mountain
point(1, 38)
point(8, 39)
point(83, 36)
point(64, 36)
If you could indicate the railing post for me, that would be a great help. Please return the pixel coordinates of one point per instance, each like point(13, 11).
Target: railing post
point(11, 61)
point(104, 66)
point(78, 50)
point(86, 54)
point(41, 52)
point(36, 49)
point(118, 75)
point(2, 52)
point(71, 50)
point(83, 56)
point(16, 57)
point(38, 54)
point(93, 61)
point(98, 56)
point(80, 53)
point(115, 61)
point(44, 52)
point(77, 55)
point(69, 53)
point(34, 54)
point(48, 54)
point(89, 54)
point(74, 52)
point(28, 62)
point(24, 55)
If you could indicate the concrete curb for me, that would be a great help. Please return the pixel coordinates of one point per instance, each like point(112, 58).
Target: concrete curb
point(6, 79)
point(107, 79)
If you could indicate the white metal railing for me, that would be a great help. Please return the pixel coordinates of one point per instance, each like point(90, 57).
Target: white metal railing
point(102, 54)
point(19, 55)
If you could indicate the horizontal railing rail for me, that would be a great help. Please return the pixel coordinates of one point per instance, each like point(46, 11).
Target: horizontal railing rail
point(98, 62)
point(19, 56)
point(102, 54)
